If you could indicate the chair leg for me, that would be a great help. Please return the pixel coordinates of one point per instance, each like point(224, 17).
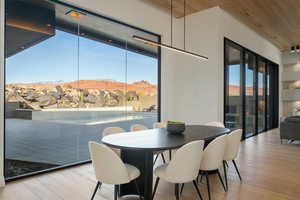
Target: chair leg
point(116, 192)
point(155, 159)
point(201, 177)
point(163, 158)
point(170, 155)
point(96, 189)
point(181, 190)
point(208, 186)
point(226, 163)
point(155, 187)
point(221, 180)
point(237, 170)
point(225, 174)
point(177, 191)
point(196, 187)
point(137, 189)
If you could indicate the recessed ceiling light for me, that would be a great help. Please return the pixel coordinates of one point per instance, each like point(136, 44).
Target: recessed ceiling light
point(75, 14)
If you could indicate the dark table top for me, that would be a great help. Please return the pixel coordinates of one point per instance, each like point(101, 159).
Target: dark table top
point(160, 139)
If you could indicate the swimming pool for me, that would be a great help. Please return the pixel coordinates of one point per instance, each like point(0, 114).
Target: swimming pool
point(91, 117)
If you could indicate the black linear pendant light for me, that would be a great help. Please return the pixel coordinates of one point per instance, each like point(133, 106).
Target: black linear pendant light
point(170, 47)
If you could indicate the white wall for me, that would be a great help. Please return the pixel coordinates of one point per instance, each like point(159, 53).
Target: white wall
point(199, 85)
point(1, 90)
point(197, 93)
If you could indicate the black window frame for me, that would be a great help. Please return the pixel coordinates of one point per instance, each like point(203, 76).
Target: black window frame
point(89, 12)
point(275, 88)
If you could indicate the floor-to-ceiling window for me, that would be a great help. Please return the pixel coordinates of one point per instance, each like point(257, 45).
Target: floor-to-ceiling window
point(233, 67)
point(261, 95)
point(70, 74)
point(272, 94)
point(251, 90)
point(250, 96)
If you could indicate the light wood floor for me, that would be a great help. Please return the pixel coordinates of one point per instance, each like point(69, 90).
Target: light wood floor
point(269, 170)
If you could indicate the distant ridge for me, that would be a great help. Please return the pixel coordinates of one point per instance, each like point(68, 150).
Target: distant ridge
point(140, 86)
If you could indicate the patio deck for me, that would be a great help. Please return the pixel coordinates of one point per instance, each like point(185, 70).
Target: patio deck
point(56, 143)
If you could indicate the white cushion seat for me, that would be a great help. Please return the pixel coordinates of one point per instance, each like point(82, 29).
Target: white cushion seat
point(132, 171)
point(111, 131)
point(182, 168)
point(213, 156)
point(231, 151)
point(110, 169)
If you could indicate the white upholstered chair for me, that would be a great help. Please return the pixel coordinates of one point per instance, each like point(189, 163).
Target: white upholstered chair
point(110, 131)
point(231, 152)
point(110, 169)
point(183, 168)
point(212, 159)
point(159, 125)
point(217, 124)
point(139, 127)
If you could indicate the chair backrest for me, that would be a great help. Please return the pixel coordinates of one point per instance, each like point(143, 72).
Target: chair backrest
point(159, 125)
point(138, 127)
point(233, 144)
point(185, 164)
point(217, 124)
point(108, 167)
point(214, 153)
point(112, 130)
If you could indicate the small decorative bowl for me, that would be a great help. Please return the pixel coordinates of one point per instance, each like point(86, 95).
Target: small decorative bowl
point(175, 128)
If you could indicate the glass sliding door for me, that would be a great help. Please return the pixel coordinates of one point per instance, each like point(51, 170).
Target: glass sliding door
point(272, 95)
point(233, 88)
point(261, 95)
point(67, 79)
point(251, 90)
point(250, 95)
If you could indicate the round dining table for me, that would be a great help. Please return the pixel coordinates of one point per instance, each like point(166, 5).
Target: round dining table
point(137, 148)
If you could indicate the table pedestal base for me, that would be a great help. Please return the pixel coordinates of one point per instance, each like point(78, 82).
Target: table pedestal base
point(143, 160)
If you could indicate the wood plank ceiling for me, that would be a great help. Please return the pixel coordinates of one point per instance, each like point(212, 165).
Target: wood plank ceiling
point(276, 20)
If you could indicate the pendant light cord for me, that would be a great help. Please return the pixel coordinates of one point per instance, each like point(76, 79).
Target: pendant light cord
point(184, 23)
point(171, 23)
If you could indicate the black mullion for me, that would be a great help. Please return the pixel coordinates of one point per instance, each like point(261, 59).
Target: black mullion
point(256, 94)
point(276, 95)
point(266, 94)
point(243, 91)
point(225, 80)
point(159, 82)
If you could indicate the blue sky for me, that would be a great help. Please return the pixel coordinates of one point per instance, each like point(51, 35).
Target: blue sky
point(56, 60)
point(234, 78)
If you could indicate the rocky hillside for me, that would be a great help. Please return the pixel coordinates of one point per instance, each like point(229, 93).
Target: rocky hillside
point(84, 94)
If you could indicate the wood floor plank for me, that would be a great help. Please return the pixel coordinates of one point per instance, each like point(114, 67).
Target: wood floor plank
point(270, 171)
